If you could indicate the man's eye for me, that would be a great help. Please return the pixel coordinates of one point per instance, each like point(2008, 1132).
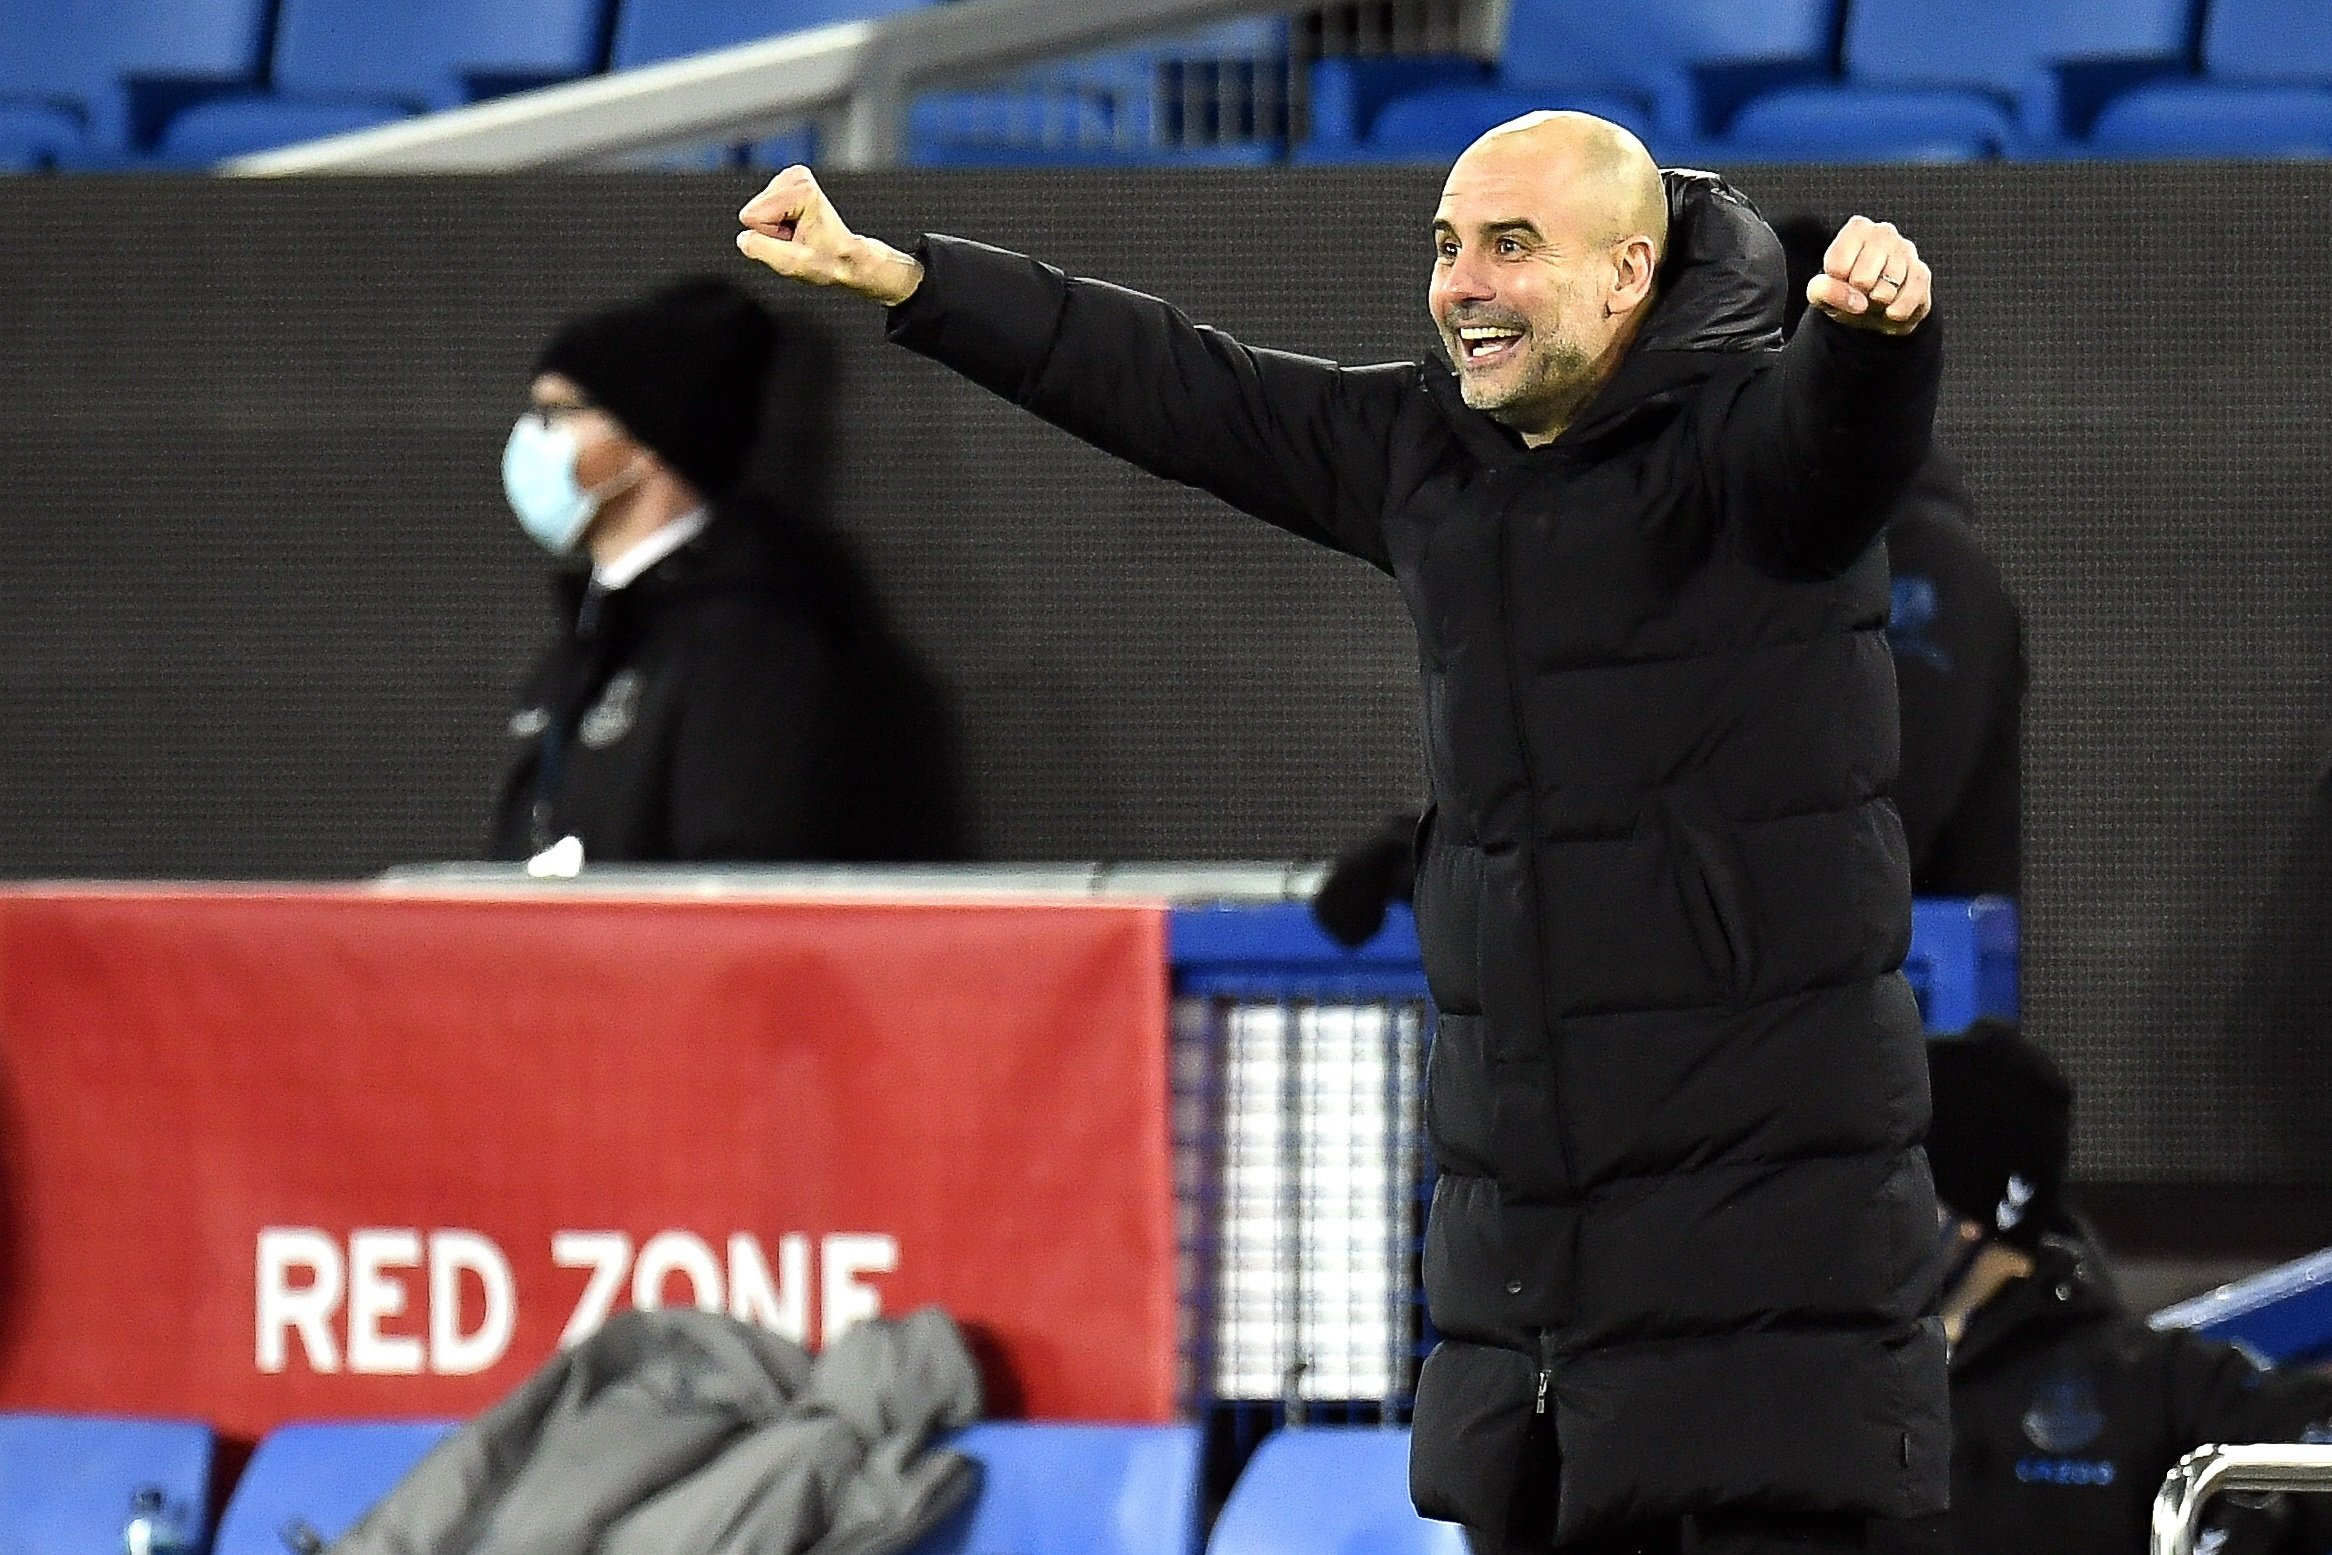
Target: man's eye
point(1510, 246)
point(1445, 249)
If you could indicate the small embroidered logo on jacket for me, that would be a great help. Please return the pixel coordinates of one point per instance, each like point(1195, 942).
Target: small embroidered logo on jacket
point(2064, 1415)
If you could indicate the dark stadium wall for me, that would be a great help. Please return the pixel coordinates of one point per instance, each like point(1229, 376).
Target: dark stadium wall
point(263, 604)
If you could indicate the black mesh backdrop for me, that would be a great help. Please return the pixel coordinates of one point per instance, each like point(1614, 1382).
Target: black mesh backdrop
point(263, 603)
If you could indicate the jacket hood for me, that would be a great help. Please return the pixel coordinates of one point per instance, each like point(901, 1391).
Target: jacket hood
point(1720, 297)
point(1722, 280)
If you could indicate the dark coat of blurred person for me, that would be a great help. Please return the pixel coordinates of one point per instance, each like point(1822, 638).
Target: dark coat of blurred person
point(2068, 1410)
point(1682, 1229)
point(722, 685)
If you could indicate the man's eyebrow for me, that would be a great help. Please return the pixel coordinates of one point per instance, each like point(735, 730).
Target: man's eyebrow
point(1521, 224)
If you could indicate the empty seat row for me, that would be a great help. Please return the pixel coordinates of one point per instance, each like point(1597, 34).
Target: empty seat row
point(1909, 80)
point(97, 83)
point(75, 1482)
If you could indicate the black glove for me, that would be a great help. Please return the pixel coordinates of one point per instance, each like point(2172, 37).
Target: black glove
point(1366, 878)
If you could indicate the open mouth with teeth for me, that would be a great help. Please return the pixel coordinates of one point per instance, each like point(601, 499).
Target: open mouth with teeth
point(1483, 343)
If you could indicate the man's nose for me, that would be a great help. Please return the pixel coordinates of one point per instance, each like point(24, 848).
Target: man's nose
point(1466, 280)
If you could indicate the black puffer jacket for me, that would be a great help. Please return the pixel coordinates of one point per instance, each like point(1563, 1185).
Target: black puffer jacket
point(1679, 1244)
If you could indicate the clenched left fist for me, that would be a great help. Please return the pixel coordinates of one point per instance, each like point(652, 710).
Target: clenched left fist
point(1873, 278)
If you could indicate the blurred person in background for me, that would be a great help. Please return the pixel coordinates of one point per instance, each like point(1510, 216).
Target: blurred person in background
point(2068, 1410)
point(1682, 1231)
point(1958, 647)
point(722, 685)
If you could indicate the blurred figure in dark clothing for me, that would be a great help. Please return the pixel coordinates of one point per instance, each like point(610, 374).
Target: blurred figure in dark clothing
point(2068, 1410)
point(1959, 674)
point(722, 686)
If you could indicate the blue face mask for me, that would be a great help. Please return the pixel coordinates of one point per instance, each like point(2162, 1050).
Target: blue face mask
point(538, 476)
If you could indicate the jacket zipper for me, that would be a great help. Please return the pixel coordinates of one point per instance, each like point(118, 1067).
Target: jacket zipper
point(1546, 1371)
point(1514, 714)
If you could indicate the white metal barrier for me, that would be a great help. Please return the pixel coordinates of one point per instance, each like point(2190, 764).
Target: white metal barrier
point(2208, 1471)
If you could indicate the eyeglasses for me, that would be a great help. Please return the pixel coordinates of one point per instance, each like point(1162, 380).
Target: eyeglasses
point(551, 415)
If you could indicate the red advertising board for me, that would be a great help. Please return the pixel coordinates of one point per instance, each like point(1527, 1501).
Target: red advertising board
point(286, 1154)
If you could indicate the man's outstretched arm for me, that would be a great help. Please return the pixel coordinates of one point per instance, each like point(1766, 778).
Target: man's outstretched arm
point(1817, 453)
point(1298, 442)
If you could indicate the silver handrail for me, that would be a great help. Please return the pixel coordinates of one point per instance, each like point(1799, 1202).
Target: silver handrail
point(857, 74)
point(2207, 1471)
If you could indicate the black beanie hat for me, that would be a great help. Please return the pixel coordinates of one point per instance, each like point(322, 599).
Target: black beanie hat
point(2002, 1133)
point(682, 369)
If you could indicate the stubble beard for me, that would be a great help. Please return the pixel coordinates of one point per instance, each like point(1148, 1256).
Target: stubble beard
point(1549, 382)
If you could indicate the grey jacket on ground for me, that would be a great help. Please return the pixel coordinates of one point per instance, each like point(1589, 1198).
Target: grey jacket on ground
point(689, 1433)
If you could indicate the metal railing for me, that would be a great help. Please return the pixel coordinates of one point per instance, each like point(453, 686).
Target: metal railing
point(853, 79)
point(2209, 1471)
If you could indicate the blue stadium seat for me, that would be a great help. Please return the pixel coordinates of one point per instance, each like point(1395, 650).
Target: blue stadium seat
point(2266, 91)
point(1854, 126)
point(1329, 1490)
point(216, 131)
point(647, 31)
point(1963, 962)
point(2215, 119)
point(1678, 66)
point(1436, 124)
point(36, 135)
point(2030, 76)
point(1693, 61)
point(325, 1476)
point(348, 64)
point(1075, 1490)
point(113, 70)
point(67, 1482)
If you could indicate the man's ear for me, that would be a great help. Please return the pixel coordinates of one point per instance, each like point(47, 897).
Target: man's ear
point(1635, 266)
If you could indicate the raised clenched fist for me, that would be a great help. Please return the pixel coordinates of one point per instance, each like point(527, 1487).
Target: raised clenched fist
point(1873, 278)
point(793, 228)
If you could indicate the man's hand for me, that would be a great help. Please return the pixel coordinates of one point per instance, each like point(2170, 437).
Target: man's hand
point(791, 227)
point(1872, 278)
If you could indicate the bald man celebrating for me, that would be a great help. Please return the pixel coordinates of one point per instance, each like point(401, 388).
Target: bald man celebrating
point(1683, 1231)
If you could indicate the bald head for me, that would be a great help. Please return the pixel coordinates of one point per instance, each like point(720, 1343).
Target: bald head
point(1547, 243)
point(1587, 168)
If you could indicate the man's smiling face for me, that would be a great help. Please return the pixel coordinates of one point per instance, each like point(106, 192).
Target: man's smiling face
point(1527, 269)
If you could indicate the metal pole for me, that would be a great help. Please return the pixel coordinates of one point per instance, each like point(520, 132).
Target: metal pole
point(2206, 1471)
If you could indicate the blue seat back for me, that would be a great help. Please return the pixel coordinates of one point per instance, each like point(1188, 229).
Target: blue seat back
point(80, 51)
point(1075, 1490)
point(326, 1476)
point(1997, 47)
point(1563, 43)
point(2268, 41)
point(67, 1481)
point(650, 30)
point(425, 52)
point(1329, 1490)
